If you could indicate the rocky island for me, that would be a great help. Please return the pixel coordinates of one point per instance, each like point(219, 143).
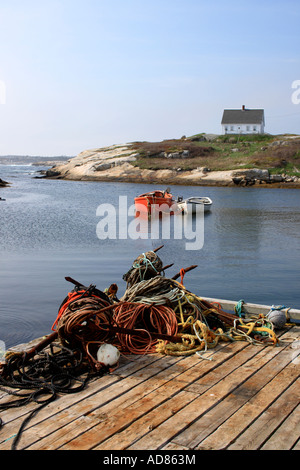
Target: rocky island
point(206, 160)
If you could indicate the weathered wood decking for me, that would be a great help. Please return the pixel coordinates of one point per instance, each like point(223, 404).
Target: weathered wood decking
point(245, 397)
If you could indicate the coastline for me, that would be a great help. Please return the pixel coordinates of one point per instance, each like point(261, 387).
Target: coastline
point(180, 181)
point(119, 163)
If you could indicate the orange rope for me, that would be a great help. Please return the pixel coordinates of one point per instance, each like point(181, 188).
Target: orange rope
point(72, 296)
point(148, 318)
point(182, 273)
point(219, 306)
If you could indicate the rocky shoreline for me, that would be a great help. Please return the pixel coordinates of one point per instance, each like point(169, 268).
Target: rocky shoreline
point(116, 163)
point(3, 184)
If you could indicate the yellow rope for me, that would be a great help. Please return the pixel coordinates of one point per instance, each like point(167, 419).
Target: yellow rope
point(206, 339)
point(253, 327)
point(201, 337)
point(185, 348)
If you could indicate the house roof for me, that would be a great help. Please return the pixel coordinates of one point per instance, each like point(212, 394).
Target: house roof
point(240, 116)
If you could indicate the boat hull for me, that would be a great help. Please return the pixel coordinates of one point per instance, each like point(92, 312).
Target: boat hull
point(155, 202)
point(194, 205)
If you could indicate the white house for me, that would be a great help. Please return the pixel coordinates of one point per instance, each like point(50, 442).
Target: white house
point(243, 121)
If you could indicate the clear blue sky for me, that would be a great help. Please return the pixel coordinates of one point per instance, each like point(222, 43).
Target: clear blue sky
point(85, 74)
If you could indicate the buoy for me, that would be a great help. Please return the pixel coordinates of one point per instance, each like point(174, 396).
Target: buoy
point(277, 318)
point(108, 354)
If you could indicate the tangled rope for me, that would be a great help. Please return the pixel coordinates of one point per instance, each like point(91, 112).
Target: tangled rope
point(163, 291)
point(238, 308)
point(59, 370)
point(87, 322)
point(147, 318)
point(78, 294)
point(84, 320)
point(84, 323)
point(146, 266)
point(158, 290)
point(202, 339)
point(155, 305)
point(256, 330)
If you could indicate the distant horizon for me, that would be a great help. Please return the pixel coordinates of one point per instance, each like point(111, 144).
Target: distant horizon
point(37, 156)
point(126, 143)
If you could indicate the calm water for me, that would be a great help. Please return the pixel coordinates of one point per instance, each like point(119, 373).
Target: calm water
point(48, 231)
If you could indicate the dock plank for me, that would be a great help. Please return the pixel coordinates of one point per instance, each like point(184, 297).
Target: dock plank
point(237, 410)
point(263, 424)
point(14, 417)
point(147, 422)
point(208, 400)
point(127, 368)
point(75, 405)
point(134, 429)
point(155, 402)
point(286, 436)
point(120, 413)
point(297, 445)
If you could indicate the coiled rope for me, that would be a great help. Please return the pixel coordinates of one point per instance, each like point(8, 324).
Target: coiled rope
point(146, 266)
point(155, 290)
point(84, 322)
point(147, 318)
point(59, 370)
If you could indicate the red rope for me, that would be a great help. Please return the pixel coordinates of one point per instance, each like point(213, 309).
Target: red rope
point(182, 273)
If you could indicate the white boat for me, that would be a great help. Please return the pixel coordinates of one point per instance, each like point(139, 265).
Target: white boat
point(190, 204)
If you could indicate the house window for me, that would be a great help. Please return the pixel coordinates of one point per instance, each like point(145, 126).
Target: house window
point(248, 128)
point(254, 128)
point(232, 128)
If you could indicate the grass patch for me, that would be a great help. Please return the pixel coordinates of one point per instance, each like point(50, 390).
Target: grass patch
point(226, 152)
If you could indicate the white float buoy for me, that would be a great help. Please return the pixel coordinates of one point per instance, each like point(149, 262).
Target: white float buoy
point(108, 354)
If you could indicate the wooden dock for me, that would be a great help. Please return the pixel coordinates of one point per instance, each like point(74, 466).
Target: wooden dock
point(238, 396)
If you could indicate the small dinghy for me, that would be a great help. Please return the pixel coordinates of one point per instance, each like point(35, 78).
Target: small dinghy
point(190, 204)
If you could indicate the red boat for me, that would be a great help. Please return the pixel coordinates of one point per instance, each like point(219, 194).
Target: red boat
point(161, 200)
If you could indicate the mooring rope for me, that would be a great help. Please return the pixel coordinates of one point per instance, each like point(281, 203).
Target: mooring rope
point(44, 376)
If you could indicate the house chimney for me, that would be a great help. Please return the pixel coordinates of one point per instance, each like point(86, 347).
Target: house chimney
point(243, 107)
